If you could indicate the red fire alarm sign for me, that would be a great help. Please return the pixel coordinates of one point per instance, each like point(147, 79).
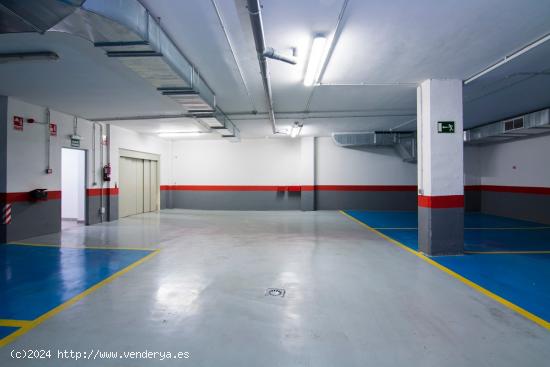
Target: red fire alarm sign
point(53, 129)
point(18, 122)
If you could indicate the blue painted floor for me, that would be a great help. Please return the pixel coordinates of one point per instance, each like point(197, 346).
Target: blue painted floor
point(523, 279)
point(472, 220)
point(7, 330)
point(36, 279)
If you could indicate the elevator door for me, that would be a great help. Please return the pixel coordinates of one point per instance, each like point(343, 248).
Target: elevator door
point(138, 186)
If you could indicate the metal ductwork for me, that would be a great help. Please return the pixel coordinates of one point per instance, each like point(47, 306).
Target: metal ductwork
point(222, 125)
point(514, 128)
point(125, 30)
point(259, 40)
point(18, 16)
point(403, 143)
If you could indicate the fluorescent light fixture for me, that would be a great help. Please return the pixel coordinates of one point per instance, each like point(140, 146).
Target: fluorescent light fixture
point(314, 63)
point(296, 129)
point(28, 56)
point(179, 134)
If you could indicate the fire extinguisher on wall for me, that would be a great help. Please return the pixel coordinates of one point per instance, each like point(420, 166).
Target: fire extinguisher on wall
point(107, 172)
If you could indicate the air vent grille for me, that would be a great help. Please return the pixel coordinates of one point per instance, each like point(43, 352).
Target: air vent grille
point(513, 124)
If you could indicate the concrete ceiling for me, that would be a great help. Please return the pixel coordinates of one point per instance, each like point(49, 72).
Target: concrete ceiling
point(395, 41)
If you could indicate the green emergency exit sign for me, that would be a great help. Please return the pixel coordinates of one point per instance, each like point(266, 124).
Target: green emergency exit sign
point(446, 127)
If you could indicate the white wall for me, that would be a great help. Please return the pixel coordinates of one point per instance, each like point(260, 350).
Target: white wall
point(73, 168)
point(472, 165)
point(250, 162)
point(524, 162)
point(373, 166)
point(279, 162)
point(27, 149)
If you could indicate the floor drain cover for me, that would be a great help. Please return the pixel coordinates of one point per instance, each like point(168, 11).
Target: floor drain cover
point(275, 292)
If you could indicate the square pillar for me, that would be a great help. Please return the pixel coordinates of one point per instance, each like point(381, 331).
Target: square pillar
point(440, 167)
point(307, 171)
point(3, 165)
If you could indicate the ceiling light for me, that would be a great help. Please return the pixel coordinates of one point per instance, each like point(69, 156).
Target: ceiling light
point(314, 63)
point(28, 56)
point(180, 134)
point(296, 129)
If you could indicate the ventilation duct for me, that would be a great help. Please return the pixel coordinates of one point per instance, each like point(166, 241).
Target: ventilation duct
point(125, 30)
point(221, 124)
point(515, 128)
point(18, 16)
point(403, 143)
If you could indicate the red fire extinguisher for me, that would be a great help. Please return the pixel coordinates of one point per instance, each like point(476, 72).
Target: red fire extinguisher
point(107, 172)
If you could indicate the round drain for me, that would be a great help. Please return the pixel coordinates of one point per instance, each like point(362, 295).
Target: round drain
point(275, 292)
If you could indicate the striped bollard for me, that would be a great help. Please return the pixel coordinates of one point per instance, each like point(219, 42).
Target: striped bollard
point(6, 214)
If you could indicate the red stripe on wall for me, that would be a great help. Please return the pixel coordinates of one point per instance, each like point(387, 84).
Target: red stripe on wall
point(15, 197)
point(517, 189)
point(472, 188)
point(106, 191)
point(513, 189)
point(289, 188)
point(220, 188)
point(365, 187)
point(441, 202)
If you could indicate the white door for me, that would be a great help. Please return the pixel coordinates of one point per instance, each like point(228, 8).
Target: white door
point(73, 184)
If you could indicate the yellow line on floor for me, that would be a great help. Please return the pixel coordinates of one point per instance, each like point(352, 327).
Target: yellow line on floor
point(507, 252)
point(506, 228)
point(75, 247)
point(545, 324)
point(14, 323)
point(474, 228)
point(8, 339)
point(406, 228)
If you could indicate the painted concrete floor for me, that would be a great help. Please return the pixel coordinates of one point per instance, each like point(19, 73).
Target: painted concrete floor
point(353, 299)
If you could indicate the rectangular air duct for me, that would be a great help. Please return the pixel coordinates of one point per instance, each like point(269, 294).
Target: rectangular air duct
point(403, 142)
point(518, 127)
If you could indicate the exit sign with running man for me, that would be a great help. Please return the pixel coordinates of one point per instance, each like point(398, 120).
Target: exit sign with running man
point(446, 127)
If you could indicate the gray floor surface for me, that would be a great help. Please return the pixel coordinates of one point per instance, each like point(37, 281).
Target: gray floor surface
point(352, 299)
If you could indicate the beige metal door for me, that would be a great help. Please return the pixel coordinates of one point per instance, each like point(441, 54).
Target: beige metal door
point(128, 188)
point(138, 181)
point(154, 186)
point(139, 185)
point(146, 186)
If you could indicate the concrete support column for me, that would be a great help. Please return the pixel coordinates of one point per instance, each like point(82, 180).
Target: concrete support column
point(440, 167)
point(3, 163)
point(307, 169)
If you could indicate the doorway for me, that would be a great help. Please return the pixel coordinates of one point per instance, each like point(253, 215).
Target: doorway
point(138, 186)
point(73, 188)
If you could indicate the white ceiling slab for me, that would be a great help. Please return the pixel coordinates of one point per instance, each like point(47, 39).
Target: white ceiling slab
point(325, 126)
point(196, 29)
point(394, 41)
point(410, 41)
point(350, 98)
point(515, 88)
point(160, 125)
point(293, 24)
point(83, 82)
